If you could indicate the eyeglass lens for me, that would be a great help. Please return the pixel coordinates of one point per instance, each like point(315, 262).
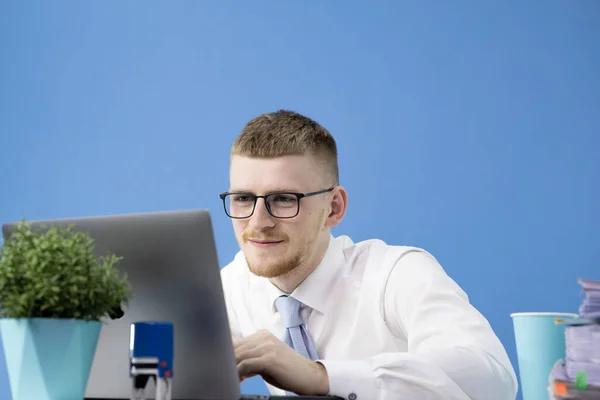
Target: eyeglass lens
point(280, 205)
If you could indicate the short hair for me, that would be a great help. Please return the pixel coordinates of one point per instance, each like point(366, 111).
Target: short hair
point(285, 132)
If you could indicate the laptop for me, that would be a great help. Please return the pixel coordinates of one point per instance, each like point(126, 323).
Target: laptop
point(171, 261)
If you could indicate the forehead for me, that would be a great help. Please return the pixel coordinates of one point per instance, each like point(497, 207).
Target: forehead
point(259, 175)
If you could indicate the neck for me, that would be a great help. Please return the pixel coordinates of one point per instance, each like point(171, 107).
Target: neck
point(289, 281)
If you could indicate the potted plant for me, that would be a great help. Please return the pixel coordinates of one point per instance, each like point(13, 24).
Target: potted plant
point(54, 291)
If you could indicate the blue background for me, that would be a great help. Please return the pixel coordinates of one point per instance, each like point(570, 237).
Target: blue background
point(471, 129)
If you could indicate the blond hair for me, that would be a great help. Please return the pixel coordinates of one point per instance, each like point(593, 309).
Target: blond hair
point(286, 132)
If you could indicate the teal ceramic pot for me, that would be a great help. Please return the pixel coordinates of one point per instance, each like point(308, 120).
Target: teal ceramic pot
point(49, 359)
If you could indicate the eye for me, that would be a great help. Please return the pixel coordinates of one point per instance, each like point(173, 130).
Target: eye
point(284, 199)
point(242, 198)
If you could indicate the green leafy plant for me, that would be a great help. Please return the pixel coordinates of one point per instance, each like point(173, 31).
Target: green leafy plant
point(54, 273)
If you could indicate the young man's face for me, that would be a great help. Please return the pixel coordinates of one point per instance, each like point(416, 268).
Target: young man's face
point(274, 246)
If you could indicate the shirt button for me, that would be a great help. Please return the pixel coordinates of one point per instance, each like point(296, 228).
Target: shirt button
point(352, 396)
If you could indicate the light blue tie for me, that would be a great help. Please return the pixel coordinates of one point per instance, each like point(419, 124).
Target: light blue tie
point(297, 336)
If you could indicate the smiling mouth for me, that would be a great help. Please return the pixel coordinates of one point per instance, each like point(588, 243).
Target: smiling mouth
point(264, 243)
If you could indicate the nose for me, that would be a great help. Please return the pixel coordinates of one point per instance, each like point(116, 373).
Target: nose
point(261, 219)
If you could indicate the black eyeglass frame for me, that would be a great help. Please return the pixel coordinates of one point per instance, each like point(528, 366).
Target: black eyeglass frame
point(299, 196)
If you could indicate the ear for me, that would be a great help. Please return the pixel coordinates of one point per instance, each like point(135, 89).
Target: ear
point(338, 206)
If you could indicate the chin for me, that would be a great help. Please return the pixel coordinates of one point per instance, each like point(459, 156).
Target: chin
point(267, 269)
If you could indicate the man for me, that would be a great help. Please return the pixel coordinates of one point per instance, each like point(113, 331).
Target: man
point(317, 315)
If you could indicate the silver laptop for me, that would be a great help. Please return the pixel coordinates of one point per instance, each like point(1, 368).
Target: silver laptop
point(171, 262)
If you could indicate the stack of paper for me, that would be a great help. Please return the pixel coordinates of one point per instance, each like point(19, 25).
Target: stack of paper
point(590, 307)
point(583, 351)
point(578, 376)
point(562, 387)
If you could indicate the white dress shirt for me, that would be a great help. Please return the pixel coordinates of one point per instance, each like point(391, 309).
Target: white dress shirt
point(387, 323)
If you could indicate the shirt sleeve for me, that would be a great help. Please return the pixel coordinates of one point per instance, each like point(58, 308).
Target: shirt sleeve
point(453, 353)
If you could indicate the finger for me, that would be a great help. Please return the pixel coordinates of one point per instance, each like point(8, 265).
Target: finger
point(250, 350)
point(255, 342)
point(245, 346)
point(251, 366)
point(238, 342)
point(243, 378)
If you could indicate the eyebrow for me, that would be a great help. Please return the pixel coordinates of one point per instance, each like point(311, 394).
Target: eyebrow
point(275, 190)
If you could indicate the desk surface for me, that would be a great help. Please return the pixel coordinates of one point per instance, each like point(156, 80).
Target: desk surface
point(250, 397)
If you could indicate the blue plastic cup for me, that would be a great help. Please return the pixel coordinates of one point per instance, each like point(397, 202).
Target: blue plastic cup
point(540, 342)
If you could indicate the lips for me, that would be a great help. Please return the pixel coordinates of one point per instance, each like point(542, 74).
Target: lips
point(264, 243)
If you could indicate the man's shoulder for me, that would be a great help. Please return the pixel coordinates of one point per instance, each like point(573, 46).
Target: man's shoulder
point(376, 249)
point(413, 266)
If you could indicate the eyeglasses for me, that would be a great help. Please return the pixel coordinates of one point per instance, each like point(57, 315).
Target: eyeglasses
point(240, 205)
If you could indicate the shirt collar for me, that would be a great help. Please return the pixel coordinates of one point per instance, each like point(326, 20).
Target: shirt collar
point(314, 289)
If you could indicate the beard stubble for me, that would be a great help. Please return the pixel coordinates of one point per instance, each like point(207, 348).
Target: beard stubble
point(272, 269)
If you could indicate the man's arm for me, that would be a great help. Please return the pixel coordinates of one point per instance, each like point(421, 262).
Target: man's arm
point(452, 351)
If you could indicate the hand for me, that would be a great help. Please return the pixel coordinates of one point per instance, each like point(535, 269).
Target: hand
point(278, 364)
